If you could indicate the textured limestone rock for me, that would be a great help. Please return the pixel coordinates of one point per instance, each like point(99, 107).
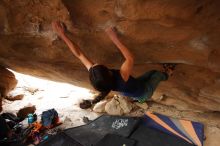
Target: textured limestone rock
point(125, 105)
point(7, 81)
point(113, 107)
point(100, 106)
point(118, 106)
point(156, 31)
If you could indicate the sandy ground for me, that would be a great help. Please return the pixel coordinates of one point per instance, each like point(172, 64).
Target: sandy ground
point(46, 95)
point(65, 99)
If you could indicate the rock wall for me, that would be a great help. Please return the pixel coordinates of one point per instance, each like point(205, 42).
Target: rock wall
point(156, 31)
point(7, 82)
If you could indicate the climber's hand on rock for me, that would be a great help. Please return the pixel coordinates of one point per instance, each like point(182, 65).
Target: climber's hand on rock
point(58, 28)
point(111, 32)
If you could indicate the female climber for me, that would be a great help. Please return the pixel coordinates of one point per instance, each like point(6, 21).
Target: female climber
point(105, 80)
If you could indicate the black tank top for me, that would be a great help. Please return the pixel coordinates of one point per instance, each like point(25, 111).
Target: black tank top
point(131, 88)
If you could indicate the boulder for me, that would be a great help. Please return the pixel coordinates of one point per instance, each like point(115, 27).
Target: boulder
point(7, 81)
point(100, 106)
point(118, 105)
point(113, 107)
point(156, 31)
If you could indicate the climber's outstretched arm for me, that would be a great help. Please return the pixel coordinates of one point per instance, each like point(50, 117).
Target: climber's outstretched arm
point(59, 29)
point(127, 66)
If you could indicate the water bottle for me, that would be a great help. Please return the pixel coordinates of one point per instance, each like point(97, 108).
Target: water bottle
point(30, 119)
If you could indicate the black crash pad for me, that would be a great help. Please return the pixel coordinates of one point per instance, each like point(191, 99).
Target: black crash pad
point(92, 133)
point(150, 137)
point(115, 140)
point(114, 131)
point(60, 139)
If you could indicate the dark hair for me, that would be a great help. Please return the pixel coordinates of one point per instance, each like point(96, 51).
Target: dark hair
point(101, 78)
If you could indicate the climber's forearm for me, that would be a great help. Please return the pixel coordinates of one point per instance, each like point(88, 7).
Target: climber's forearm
point(123, 49)
point(77, 52)
point(73, 47)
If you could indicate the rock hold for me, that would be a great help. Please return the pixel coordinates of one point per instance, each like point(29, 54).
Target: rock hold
point(118, 106)
point(100, 106)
